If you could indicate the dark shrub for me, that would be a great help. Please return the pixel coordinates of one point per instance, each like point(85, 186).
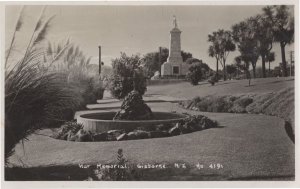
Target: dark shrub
point(122, 80)
point(244, 101)
point(191, 103)
point(195, 73)
point(241, 104)
point(70, 127)
point(213, 79)
point(205, 104)
point(212, 103)
point(197, 122)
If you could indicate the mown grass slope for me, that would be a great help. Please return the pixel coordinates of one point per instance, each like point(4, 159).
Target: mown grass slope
point(269, 96)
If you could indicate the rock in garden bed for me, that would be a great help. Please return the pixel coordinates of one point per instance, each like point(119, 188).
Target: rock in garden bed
point(134, 108)
point(73, 131)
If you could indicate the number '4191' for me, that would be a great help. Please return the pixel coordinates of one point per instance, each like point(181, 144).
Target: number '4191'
point(216, 166)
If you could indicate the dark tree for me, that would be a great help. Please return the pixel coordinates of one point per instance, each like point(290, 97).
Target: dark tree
point(151, 62)
point(221, 45)
point(283, 28)
point(242, 65)
point(244, 36)
point(122, 80)
point(192, 60)
point(186, 55)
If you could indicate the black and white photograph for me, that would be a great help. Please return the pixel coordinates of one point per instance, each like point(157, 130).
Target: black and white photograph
point(132, 91)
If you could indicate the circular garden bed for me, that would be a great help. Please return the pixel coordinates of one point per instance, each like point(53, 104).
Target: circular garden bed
point(73, 131)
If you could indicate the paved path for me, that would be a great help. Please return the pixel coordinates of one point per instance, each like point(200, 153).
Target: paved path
point(248, 146)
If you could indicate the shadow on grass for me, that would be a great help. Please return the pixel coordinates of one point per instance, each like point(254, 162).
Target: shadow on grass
point(250, 85)
point(218, 127)
point(289, 131)
point(225, 83)
point(281, 81)
point(51, 173)
point(154, 101)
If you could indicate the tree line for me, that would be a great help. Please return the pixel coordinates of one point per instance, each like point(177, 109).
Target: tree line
point(254, 38)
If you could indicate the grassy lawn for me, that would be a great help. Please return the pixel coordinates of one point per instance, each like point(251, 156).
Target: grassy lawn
point(231, 87)
point(248, 146)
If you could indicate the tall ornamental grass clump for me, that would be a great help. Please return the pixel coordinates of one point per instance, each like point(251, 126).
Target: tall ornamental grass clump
point(34, 96)
point(90, 89)
point(77, 69)
point(34, 100)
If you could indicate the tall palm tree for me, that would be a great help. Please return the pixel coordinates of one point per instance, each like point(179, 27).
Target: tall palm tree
point(244, 37)
point(222, 45)
point(283, 28)
point(264, 35)
point(212, 51)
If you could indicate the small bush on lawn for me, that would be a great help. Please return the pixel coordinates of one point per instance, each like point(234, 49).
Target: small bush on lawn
point(214, 79)
point(195, 73)
point(211, 81)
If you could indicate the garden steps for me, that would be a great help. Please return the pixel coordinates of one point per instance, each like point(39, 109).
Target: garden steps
point(112, 103)
point(107, 101)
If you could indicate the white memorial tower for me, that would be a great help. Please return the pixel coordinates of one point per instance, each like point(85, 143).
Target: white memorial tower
point(174, 65)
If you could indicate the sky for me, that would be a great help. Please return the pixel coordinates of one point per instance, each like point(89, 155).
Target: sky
point(132, 29)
